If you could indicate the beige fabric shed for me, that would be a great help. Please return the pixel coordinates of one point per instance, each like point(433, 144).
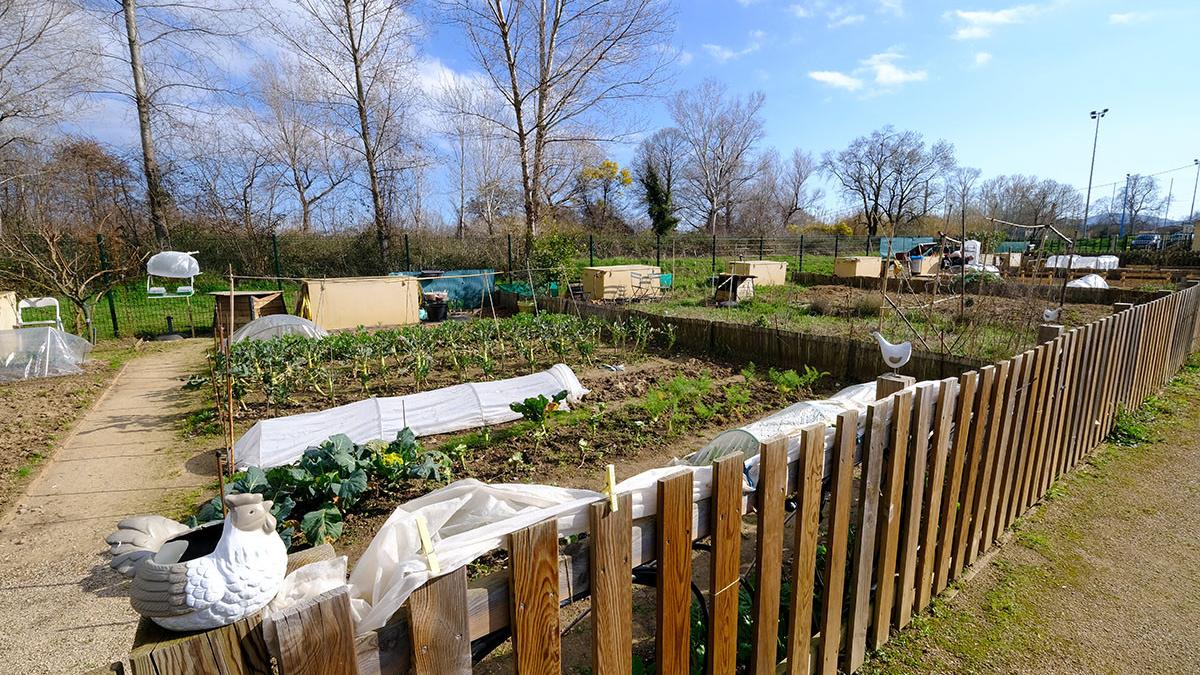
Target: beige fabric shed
point(9, 316)
point(765, 272)
point(350, 302)
point(622, 282)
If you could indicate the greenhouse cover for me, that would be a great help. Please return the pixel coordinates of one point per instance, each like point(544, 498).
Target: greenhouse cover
point(40, 351)
point(275, 325)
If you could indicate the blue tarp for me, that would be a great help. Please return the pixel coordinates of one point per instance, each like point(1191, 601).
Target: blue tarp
point(466, 288)
point(901, 244)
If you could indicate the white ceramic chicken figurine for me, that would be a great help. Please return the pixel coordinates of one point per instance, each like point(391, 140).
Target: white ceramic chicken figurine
point(893, 355)
point(190, 584)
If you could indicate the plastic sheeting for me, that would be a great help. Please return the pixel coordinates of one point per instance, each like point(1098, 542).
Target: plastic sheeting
point(1084, 262)
point(275, 325)
point(283, 440)
point(173, 265)
point(40, 351)
point(468, 289)
point(1088, 281)
point(468, 518)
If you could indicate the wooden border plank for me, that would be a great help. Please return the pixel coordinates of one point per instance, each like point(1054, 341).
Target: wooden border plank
point(610, 534)
point(1002, 472)
point(980, 501)
point(810, 474)
point(974, 466)
point(1017, 451)
point(533, 593)
point(724, 563)
point(943, 419)
point(958, 452)
point(914, 496)
point(890, 511)
point(879, 418)
point(674, 591)
point(837, 540)
point(326, 622)
point(771, 492)
point(439, 631)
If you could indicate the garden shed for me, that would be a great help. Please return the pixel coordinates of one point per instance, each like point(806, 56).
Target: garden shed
point(9, 318)
point(350, 302)
point(622, 282)
point(765, 272)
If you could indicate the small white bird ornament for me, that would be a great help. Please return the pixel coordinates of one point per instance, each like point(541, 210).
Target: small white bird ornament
point(1051, 315)
point(197, 580)
point(895, 356)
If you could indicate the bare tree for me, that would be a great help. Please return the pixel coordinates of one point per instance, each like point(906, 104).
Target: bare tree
point(794, 195)
point(560, 66)
point(308, 153)
point(364, 50)
point(665, 150)
point(721, 131)
point(1140, 196)
point(41, 68)
point(891, 175)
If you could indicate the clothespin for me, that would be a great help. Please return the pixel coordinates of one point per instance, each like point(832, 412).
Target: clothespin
point(427, 546)
point(611, 488)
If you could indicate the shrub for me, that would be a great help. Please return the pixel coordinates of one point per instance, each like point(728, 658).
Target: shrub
point(868, 305)
point(821, 306)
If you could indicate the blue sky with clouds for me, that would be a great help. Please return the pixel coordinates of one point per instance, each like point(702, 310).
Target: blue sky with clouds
point(1009, 84)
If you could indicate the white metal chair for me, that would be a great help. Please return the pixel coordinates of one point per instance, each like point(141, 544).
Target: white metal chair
point(39, 303)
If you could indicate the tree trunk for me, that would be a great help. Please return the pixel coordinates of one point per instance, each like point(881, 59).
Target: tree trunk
point(156, 196)
point(383, 233)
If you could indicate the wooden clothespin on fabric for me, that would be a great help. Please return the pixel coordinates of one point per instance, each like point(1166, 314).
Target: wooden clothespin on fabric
point(427, 546)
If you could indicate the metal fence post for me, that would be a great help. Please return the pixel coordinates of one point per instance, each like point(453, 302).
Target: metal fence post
point(407, 258)
point(800, 266)
point(658, 249)
point(275, 252)
point(714, 254)
point(112, 308)
point(510, 267)
point(837, 238)
point(760, 247)
point(591, 250)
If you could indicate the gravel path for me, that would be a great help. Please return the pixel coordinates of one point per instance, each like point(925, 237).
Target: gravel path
point(1102, 578)
point(61, 608)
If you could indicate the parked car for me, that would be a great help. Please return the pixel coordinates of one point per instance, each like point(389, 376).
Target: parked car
point(1180, 240)
point(1146, 241)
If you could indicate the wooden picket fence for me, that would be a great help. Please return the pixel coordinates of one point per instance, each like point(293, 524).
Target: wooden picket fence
point(943, 472)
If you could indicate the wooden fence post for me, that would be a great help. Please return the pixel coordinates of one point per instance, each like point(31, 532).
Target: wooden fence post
point(1047, 332)
point(674, 591)
point(810, 474)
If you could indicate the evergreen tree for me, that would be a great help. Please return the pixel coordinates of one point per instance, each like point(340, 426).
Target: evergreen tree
point(658, 202)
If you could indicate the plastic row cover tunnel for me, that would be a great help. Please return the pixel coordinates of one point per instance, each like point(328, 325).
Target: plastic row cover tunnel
point(283, 440)
point(41, 351)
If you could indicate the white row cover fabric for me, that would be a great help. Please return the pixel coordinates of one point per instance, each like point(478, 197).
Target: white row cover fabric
point(1084, 262)
point(40, 351)
point(173, 265)
point(283, 440)
point(275, 325)
point(468, 518)
point(1088, 281)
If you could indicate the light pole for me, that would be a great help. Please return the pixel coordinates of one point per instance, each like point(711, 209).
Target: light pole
point(1192, 211)
point(1124, 204)
point(1087, 205)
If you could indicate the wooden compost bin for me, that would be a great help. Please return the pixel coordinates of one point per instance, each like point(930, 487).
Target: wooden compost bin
point(734, 288)
point(247, 306)
point(858, 266)
point(622, 282)
point(350, 302)
point(765, 272)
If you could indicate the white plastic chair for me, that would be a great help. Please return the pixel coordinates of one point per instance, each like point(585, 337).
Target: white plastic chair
point(38, 303)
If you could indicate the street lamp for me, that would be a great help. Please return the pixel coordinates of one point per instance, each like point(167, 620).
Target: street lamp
point(1087, 205)
point(1192, 212)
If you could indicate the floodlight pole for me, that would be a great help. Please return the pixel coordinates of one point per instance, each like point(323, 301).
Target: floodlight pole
point(1087, 204)
point(1192, 211)
point(1124, 205)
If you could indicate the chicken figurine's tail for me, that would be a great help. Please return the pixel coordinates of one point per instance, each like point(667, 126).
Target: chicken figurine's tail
point(138, 538)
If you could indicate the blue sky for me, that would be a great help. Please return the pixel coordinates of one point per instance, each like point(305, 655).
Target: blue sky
point(1010, 85)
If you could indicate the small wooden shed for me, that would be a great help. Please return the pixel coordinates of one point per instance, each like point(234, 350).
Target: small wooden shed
point(350, 302)
point(858, 266)
point(247, 306)
point(622, 282)
point(765, 272)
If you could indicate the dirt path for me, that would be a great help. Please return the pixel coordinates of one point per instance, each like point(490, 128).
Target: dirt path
point(1103, 578)
point(61, 608)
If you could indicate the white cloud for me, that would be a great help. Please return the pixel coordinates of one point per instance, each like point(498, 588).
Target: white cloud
point(746, 3)
point(800, 11)
point(887, 73)
point(836, 79)
point(982, 58)
point(685, 57)
point(976, 24)
point(847, 20)
point(1126, 18)
point(892, 7)
point(722, 54)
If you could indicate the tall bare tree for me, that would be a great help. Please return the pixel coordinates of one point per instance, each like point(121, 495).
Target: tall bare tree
point(721, 131)
point(1140, 196)
point(365, 51)
point(891, 175)
point(562, 67)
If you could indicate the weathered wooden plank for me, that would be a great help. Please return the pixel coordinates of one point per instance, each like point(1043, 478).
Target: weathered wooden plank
point(879, 418)
point(612, 586)
point(1016, 446)
point(991, 451)
point(890, 516)
point(810, 474)
point(318, 637)
point(976, 448)
point(934, 486)
point(837, 543)
point(914, 497)
point(673, 592)
point(533, 563)
point(1046, 419)
point(726, 549)
point(440, 635)
point(1028, 432)
point(768, 553)
point(948, 516)
point(1001, 474)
